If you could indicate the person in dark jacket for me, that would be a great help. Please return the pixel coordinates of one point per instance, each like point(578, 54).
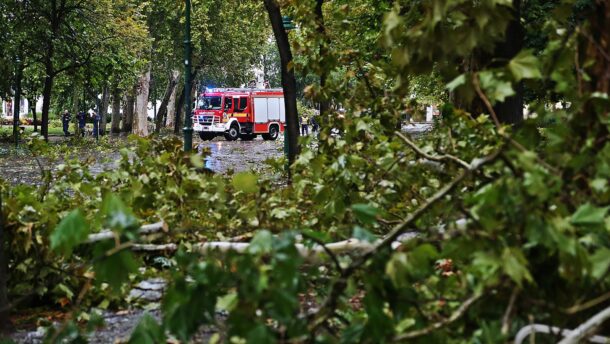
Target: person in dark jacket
point(314, 124)
point(65, 120)
point(81, 122)
point(96, 123)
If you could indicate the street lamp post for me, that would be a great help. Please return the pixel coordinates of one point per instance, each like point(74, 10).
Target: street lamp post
point(188, 120)
point(288, 25)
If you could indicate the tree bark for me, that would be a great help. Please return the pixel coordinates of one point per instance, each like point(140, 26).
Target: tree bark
point(140, 120)
point(104, 110)
point(75, 108)
point(115, 125)
point(171, 107)
point(17, 100)
point(169, 92)
point(510, 111)
point(128, 111)
point(49, 71)
point(178, 110)
point(323, 50)
point(4, 321)
point(46, 101)
point(288, 78)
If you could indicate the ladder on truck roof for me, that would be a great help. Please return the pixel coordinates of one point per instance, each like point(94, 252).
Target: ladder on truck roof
point(244, 90)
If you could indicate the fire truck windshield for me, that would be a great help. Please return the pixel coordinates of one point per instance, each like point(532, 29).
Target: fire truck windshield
point(210, 103)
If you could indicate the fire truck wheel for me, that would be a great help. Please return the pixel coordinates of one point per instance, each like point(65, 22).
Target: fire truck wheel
point(205, 136)
point(232, 134)
point(273, 133)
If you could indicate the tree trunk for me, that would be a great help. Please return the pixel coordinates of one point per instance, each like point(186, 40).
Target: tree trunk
point(140, 120)
point(171, 107)
point(323, 48)
point(75, 109)
point(179, 109)
point(4, 321)
point(288, 79)
point(169, 92)
point(49, 72)
point(46, 102)
point(17, 100)
point(104, 110)
point(128, 111)
point(510, 111)
point(115, 125)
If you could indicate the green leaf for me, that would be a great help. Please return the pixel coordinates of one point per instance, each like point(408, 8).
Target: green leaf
point(117, 215)
point(148, 331)
point(366, 213)
point(363, 235)
point(197, 160)
point(600, 262)
point(113, 269)
point(588, 214)
point(245, 182)
point(457, 82)
point(70, 232)
point(515, 265)
point(405, 324)
point(227, 302)
point(496, 88)
point(525, 66)
point(260, 334)
point(261, 243)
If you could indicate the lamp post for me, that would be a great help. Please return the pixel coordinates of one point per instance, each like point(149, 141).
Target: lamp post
point(188, 120)
point(288, 25)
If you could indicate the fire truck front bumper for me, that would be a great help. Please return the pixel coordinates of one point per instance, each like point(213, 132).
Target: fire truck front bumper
point(210, 128)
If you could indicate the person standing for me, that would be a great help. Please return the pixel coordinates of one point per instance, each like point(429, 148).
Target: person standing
point(314, 124)
point(65, 120)
point(304, 125)
point(81, 122)
point(96, 123)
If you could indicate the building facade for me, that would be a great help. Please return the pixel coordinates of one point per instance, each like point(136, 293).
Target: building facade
point(7, 107)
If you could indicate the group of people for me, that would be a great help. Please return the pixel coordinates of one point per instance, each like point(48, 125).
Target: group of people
point(81, 118)
point(306, 121)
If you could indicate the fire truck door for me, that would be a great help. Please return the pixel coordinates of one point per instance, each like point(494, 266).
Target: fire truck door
point(228, 109)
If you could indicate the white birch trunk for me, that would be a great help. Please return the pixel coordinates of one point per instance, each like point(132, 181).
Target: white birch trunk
point(140, 120)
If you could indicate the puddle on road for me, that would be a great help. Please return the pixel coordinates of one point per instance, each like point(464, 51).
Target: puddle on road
point(239, 155)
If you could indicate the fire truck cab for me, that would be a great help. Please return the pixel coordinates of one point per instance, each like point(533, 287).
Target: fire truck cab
point(240, 113)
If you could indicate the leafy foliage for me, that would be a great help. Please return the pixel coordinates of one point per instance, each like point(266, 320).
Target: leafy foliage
point(476, 227)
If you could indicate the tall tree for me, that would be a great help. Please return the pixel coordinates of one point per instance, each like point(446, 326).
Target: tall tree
point(4, 321)
point(128, 111)
point(288, 78)
point(140, 119)
point(170, 92)
point(63, 48)
point(115, 125)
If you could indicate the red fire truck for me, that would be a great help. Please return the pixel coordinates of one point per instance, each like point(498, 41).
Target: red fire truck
point(240, 113)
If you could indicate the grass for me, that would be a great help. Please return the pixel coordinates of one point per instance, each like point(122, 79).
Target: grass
point(7, 130)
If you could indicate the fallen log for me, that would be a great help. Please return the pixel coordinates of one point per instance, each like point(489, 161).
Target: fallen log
point(145, 229)
point(313, 252)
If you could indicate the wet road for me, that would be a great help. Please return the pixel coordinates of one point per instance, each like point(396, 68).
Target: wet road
point(18, 166)
point(240, 155)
